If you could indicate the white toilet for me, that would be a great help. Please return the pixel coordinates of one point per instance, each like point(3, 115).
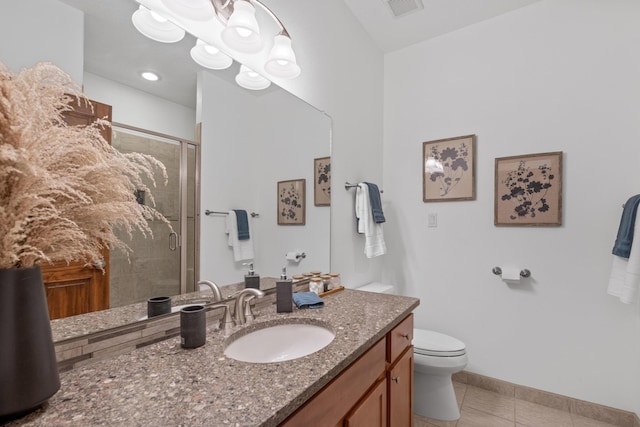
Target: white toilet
point(436, 357)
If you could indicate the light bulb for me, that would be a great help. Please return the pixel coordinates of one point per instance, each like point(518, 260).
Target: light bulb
point(281, 61)
point(242, 32)
point(155, 26)
point(249, 79)
point(210, 56)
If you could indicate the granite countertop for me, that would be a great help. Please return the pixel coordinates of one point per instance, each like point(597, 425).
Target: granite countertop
point(164, 384)
point(113, 318)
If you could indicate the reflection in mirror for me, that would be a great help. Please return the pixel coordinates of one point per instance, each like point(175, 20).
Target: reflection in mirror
point(244, 135)
point(268, 138)
point(155, 265)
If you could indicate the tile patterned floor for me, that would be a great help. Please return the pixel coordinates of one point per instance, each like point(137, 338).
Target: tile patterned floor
point(483, 408)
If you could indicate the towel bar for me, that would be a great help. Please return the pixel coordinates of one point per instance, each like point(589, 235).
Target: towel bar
point(208, 212)
point(348, 186)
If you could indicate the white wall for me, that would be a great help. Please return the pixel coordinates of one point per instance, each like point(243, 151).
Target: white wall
point(22, 48)
point(342, 74)
point(292, 136)
point(253, 141)
point(559, 75)
point(63, 46)
point(134, 107)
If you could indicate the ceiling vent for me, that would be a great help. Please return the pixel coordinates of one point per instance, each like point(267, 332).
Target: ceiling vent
point(403, 7)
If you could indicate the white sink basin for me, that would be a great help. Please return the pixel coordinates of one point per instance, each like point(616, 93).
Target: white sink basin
point(279, 343)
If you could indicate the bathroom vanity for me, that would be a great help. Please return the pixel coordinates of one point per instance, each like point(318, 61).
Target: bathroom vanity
point(363, 375)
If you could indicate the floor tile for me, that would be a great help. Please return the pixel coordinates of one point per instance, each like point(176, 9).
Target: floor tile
point(484, 408)
point(419, 421)
point(489, 402)
point(534, 415)
point(460, 390)
point(579, 421)
point(470, 417)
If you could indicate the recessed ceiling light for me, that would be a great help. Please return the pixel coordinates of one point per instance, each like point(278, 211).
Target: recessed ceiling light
point(148, 75)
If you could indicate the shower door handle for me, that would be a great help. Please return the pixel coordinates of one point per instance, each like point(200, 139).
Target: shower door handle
point(173, 241)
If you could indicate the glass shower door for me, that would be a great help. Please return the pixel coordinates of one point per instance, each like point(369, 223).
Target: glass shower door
point(162, 265)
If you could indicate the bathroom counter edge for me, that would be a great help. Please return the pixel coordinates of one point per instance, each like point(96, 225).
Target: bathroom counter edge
point(164, 384)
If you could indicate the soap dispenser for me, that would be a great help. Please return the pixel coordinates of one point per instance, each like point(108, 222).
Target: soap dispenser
point(251, 279)
point(284, 293)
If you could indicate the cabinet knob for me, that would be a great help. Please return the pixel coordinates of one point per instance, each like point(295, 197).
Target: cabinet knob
point(405, 336)
point(396, 379)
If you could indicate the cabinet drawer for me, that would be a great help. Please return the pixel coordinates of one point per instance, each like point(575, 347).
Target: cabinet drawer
point(399, 338)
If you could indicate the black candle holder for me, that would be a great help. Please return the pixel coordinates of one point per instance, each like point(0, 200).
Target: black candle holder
point(157, 306)
point(193, 326)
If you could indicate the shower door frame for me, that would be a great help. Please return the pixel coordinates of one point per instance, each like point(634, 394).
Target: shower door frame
point(182, 194)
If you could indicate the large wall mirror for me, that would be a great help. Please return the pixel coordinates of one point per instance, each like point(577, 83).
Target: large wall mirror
point(249, 142)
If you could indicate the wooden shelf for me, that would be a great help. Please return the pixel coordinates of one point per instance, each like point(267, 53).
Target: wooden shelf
point(332, 291)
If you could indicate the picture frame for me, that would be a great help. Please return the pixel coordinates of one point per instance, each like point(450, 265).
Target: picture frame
point(528, 190)
point(322, 181)
point(292, 202)
point(449, 169)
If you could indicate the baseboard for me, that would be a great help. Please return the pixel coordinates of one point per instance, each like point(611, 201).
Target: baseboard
point(594, 411)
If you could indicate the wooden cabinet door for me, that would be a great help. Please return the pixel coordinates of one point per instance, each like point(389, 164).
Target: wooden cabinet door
point(330, 405)
point(400, 380)
point(371, 411)
point(79, 288)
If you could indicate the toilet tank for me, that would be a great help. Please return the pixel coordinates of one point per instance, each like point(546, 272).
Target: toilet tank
point(378, 287)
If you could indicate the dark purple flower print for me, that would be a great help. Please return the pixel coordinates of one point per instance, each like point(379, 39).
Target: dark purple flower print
point(527, 190)
point(452, 163)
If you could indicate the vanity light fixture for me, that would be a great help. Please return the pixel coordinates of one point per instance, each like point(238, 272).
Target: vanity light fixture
point(242, 32)
point(148, 75)
point(155, 26)
point(222, 28)
point(197, 10)
point(249, 79)
point(210, 56)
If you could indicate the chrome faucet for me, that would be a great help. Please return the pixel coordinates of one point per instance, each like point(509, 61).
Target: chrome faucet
point(243, 311)
point(217, 295)
point(226, 322)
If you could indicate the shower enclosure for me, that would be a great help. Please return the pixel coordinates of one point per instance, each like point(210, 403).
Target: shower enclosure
point(163, 264)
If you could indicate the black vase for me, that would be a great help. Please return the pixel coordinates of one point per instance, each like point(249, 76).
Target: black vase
point(28, 369)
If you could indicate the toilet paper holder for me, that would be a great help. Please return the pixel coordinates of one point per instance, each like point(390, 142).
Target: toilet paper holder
point(295, 256)
point(523, 273)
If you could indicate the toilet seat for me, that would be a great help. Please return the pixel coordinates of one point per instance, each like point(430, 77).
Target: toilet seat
point(431, 343)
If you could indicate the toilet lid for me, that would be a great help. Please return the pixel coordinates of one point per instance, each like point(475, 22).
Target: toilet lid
point(432, 343)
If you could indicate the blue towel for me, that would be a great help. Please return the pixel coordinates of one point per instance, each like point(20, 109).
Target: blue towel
point(622, 246)
point(376, 203)
point(243, 224)
point(307, 300)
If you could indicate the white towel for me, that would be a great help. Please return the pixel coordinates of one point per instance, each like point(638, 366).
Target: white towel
point(242, 249)
point(625, 273)
point(374, 237)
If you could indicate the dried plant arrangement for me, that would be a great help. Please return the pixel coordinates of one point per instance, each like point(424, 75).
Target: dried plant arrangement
point(63, 189)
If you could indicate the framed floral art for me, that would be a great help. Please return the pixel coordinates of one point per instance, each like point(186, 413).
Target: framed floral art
point(449, 172)
point(528, 190)
point(291, 202)
point(322, 181)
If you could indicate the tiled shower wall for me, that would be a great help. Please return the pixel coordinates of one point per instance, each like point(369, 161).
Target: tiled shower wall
point(152, 269)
